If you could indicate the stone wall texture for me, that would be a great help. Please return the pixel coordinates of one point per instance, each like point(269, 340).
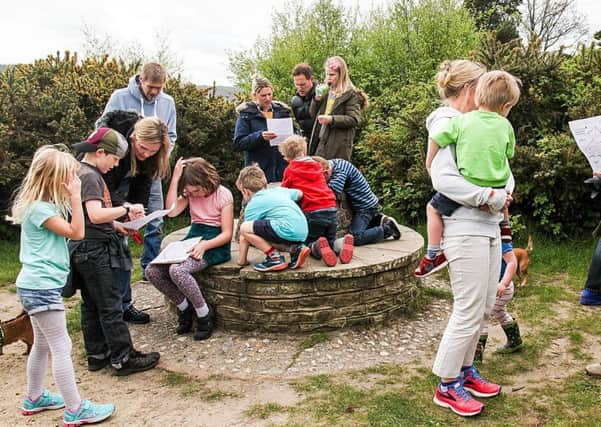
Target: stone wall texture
point(377, 285)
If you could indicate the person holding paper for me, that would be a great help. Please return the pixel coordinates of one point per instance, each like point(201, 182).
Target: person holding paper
point(146, 161)
point(251, 134)
point(337, 107)
point(197, 185)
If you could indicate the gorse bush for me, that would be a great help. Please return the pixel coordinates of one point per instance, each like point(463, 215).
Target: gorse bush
point(58, 99)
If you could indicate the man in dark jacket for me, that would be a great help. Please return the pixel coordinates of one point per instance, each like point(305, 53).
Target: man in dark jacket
point(305, 90)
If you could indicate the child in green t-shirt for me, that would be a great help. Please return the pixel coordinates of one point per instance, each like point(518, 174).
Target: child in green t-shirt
point(484, 141)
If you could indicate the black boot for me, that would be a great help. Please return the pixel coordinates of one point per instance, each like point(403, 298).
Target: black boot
point(479, 354)
point(185, 319)
point(205, 325)
point(514, 340)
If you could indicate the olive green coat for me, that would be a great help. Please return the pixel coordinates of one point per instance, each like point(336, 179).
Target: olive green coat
point(335, 140)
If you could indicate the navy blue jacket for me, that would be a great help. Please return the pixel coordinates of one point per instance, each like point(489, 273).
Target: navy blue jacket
point(247, 138)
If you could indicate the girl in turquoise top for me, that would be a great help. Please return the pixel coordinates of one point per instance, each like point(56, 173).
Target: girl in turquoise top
point(48, 194)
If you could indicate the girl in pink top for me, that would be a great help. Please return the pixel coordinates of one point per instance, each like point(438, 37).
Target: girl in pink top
point(197, 185)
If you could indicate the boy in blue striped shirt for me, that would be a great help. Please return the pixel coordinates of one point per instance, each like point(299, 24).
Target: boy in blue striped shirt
point(368, 225)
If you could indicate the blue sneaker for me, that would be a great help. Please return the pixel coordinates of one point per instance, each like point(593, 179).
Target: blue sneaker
point(88, 413)
point(272, 264)
point(587, 297)
point(46, 401)
point(299, 256)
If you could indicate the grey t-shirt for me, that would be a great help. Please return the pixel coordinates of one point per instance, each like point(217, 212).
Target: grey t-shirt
point(93, 187)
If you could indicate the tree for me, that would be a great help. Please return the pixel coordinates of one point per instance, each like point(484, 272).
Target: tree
point(132, 53)
point(553, 21)
point(500, 16)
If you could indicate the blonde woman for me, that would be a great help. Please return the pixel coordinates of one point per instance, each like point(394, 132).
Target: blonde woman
point(251, 135)
point(337, 107)
point(48, 195)
point(131, 180)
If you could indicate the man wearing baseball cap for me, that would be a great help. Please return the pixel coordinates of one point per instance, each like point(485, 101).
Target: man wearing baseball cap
point(96, 258)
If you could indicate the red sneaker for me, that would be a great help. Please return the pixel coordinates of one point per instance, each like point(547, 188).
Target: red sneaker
point(327, 254)
point(430, 266)
point(457, 400)
point(478, 386)
point(348, 246)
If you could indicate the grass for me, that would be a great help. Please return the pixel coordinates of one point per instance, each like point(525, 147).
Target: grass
point(189, 386)
point(555, 392)
point(9, 263)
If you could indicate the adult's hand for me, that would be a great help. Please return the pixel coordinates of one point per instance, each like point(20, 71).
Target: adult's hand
point(324, 119)
point(268, 135)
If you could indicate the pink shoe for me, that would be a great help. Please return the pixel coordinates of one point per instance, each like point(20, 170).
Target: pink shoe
point(327, 254)
point(457, 400)
point(478, 386)
point(348, 246)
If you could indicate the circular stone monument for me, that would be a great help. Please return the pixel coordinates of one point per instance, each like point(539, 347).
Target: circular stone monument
point(375, 286)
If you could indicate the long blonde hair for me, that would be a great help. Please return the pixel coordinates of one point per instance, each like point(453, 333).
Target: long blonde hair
point(344, 81)
point(454, 75)
point(51, 167)
point(151, 130)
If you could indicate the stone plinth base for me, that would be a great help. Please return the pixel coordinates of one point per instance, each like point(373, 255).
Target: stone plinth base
point(375, 286)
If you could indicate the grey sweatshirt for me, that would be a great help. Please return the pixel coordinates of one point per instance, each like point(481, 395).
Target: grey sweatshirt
point(468, 220)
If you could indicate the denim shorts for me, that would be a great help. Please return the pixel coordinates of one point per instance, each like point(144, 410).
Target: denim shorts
point(444, 205)
point(38, 300)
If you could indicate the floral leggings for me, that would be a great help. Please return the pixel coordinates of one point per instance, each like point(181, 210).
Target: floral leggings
point(176, 281)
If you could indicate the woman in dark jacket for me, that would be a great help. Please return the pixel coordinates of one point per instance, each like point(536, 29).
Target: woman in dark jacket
point(338, 112)
point(130, 181)
point(251, 134)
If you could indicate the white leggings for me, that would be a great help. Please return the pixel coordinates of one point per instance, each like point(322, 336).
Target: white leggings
point(474, 267)
point(50, 337)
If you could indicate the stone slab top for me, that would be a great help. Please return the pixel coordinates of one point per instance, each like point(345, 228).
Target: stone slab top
point(368, 259)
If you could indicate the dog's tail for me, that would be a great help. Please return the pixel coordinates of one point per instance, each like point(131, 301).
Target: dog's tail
point(530, 244)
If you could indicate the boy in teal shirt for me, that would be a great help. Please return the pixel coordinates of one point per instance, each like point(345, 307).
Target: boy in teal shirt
point(272, 222)
point(484, 141)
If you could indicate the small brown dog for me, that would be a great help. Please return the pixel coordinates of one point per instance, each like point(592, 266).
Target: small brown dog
point(16, 329)
point(523, 257)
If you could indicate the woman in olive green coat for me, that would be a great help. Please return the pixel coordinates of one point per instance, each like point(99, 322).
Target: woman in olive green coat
point(337, 106)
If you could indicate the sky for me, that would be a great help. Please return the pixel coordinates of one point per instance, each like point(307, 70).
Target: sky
point(200, 33)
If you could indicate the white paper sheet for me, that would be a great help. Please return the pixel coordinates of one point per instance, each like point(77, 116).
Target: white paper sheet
point(136, 224)
point(587, 133)
point(176, 252)
point(282, 128)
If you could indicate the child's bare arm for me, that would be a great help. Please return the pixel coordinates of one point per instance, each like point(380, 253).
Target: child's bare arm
point(180, 202)
point(432, 150)
point(510, 269)
point(100, 215)
point(75, 229)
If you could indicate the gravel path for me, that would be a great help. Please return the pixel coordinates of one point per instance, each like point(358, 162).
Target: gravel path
point(283, 356)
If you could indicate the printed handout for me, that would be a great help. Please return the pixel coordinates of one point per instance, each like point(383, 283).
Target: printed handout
point(282, 128)
point(136, 224)
point(176, 252)
point(587, 133)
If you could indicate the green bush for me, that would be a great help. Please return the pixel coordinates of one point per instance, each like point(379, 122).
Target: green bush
point(58, 99)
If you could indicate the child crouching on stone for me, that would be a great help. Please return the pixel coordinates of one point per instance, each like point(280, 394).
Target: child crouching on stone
point(368, 225)
point(318, 202)
point(196, 184)
point(272, 222)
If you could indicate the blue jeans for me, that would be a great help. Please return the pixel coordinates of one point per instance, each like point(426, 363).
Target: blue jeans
point(38, 300)
point(322, 223)
point(593, 281)
point(365, 227)
point(154, 229)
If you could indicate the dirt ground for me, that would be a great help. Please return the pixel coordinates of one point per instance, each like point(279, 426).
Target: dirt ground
point(244, 369)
